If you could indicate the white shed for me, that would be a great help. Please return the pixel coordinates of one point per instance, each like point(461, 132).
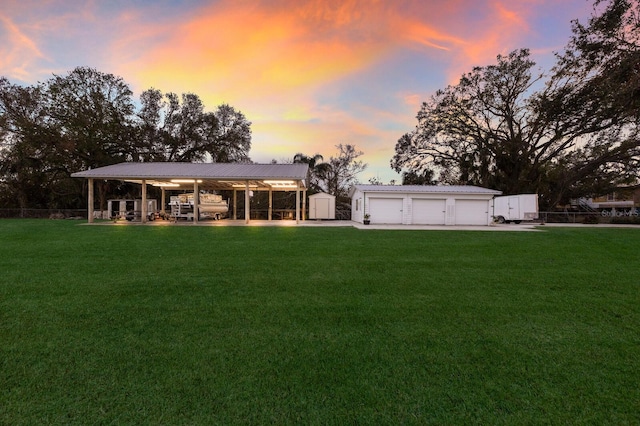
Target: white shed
point(322, 206)
point(422, 204)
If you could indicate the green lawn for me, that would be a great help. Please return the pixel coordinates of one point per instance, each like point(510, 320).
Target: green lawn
point(248, 325)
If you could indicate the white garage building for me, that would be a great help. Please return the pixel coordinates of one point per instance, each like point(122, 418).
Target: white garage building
point(422, 204)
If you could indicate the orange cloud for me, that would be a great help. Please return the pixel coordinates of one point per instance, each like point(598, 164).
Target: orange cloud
point(279, 51)
point(239, 49)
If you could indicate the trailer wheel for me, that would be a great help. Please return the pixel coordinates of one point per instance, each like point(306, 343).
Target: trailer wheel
point(517, 222)
point(501, 219)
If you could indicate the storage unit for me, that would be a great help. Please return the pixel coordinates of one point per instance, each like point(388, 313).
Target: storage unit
point(422, 204)
point(322, 206)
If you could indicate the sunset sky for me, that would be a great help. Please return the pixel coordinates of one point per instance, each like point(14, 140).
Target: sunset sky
point(309, 74)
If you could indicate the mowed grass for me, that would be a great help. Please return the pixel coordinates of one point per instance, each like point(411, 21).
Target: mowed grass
point(248, 325)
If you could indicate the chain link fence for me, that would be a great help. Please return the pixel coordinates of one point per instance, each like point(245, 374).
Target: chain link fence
point(43, 214)
point(630, 216)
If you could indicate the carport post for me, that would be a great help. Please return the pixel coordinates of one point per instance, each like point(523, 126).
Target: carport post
point(304, 205)
point(90, 202)
point(297, 201)
point(247, 201)
point(163, 201)
point(235, 204)
point(143, 212)
point(270, 203)
point(196, 201)
point(364, 206)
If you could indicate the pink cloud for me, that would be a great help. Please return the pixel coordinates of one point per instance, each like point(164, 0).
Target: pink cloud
point(18, 51)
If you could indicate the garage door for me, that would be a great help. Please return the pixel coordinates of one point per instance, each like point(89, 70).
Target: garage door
point(472, 212)
point(385, 210)
point(427, 212)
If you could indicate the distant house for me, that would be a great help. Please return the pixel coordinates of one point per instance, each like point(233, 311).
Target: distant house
point(625, 198)
point(422, 204)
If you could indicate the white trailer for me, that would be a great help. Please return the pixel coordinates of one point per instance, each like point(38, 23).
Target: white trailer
point(515, 208)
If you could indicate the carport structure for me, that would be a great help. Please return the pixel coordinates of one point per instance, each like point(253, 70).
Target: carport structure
point(204, 176)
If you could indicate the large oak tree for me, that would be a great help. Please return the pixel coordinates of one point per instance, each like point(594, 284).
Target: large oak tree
point(508, 126)
point(88, 119)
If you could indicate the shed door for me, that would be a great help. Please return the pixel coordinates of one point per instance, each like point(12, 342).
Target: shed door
point(322, 208)
point(472, 212)
point(428, 212)
point(385, 210)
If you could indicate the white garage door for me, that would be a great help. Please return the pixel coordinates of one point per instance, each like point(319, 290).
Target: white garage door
point(427, 212)
point(385, 210)
point(472, 212)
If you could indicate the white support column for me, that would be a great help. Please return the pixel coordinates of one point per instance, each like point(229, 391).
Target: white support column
point(235, 204)
point(143, 212)
point(90, 201)
point(196, 202)
point(304, 205)
point(297, 201)
point(163, 201)
point(270, 203)
point(247, 202)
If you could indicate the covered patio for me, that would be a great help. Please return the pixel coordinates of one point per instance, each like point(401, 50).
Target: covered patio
point(205, 177)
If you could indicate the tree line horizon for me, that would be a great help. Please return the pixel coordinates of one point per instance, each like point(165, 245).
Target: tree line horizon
point(569, 132)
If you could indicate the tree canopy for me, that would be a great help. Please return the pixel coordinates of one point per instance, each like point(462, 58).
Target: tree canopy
point(88, 119)
point(178, 129)
point(342, 171)
point(335, 176)
point(317, 168)
point(570, 132)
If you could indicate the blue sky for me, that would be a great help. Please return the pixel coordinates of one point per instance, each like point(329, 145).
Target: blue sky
point(308, 74)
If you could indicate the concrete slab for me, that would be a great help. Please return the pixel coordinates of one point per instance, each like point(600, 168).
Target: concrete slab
point(326, 223)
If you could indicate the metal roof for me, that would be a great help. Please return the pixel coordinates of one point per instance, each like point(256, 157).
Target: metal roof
point(425, 189)
point(213, 175)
